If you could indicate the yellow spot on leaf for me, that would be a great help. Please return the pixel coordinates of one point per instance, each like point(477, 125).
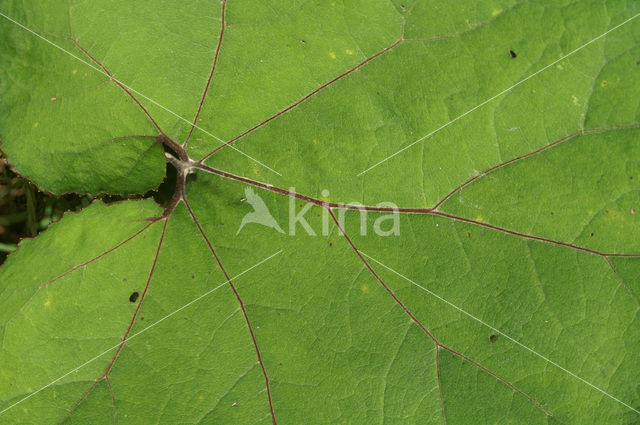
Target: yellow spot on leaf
point(315, 141)
point(479, 218)
point(47, 303)
point(496, 12)
point(35, 124)
point(559, 66)
point(201, 398)
point(74, 72)
point(349, 52)
point(332, 55)
point(575, 100)
point(603, 83)
point(365, 289)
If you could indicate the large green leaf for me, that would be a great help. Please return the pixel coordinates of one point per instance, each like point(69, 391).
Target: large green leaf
point(505, 131)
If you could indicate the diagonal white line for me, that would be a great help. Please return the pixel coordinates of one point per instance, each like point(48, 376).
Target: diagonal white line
point(134, 90)
point(139, 332)
point(498, 95)
point(500, 332)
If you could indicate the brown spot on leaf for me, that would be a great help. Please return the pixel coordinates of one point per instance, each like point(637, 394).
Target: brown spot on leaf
point(493, 338)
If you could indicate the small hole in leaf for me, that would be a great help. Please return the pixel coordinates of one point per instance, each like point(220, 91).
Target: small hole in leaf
point(512, 54)
point(591, 234)
point(192, 177)
point(134, 296)
point(493, 338)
